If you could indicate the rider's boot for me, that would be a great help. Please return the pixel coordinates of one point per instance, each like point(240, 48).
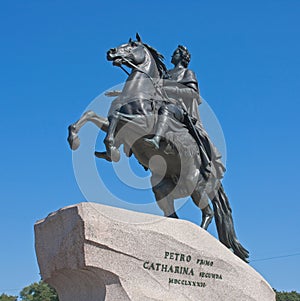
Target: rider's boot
point(207, 216)
point(161, 128)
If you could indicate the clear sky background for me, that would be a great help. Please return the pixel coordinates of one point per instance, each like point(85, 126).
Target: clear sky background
point(246, 57)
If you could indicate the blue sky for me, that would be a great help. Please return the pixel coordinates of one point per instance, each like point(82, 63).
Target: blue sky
point(246, 57)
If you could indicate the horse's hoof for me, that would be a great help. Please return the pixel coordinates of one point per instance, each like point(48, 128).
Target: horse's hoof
point(206, 221)
point(173, 215)
point(114, 154)
point(74, 141)
point(103, 155)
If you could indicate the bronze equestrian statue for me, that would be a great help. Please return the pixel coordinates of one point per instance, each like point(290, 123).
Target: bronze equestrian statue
point(156, 113)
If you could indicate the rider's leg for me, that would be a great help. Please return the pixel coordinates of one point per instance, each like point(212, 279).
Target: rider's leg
point(164, 113)
point(160, 127)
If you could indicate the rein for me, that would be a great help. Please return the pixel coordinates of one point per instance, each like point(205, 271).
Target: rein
point(124, 70)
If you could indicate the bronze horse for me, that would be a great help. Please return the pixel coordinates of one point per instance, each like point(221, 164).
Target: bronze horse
point(132, 118)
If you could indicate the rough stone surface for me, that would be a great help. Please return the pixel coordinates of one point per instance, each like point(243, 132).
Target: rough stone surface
point(91, 252)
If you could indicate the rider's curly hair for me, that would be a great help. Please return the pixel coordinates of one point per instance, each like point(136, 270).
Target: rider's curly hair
point(185, 54)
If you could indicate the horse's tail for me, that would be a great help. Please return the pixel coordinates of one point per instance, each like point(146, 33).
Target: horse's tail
point(224, 223)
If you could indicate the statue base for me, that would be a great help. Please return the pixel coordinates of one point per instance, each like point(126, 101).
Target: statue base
point(94, 252)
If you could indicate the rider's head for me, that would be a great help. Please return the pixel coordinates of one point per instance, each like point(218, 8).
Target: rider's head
point(185, 55)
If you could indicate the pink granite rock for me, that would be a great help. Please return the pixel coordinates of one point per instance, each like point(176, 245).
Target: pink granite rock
point(92, 252)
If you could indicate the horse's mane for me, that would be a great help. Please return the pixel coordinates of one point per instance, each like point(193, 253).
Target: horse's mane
point(158, 58)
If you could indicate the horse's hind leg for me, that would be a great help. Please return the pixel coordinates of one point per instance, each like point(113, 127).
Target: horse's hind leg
point(201, 200)
point(74, 128)
point(164, 198)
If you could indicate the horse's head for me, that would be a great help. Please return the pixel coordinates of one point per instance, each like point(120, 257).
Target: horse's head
point(136, 53)
point(133, 52)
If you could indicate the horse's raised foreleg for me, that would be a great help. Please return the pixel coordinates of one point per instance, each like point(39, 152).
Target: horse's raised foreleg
point(74, 128)
point(112, 151)
point(164, 198)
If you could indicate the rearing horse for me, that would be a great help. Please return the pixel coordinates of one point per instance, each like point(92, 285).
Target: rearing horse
point(132, 118)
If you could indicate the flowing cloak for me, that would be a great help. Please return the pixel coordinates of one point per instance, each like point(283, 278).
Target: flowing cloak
point(182, 85)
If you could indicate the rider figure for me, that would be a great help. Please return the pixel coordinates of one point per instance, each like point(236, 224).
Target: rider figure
point(181, 87)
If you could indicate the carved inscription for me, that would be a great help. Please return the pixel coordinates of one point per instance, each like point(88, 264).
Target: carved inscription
point(199, 270)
